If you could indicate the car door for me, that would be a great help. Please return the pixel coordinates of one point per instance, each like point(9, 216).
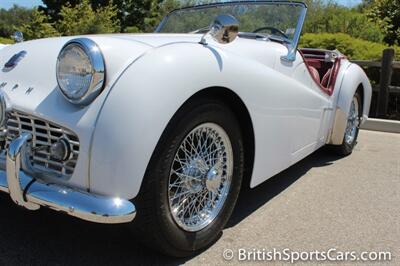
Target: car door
point(313, 108)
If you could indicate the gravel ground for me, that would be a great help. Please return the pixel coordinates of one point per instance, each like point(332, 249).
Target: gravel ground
point(320, 203)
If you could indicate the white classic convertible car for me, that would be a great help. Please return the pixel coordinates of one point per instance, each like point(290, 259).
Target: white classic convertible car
point(162, 130)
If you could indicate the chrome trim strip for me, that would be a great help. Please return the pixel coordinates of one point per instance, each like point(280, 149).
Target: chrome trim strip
point(31, 193)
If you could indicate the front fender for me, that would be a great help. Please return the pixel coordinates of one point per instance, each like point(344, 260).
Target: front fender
point(354, 76)
point(138, 109)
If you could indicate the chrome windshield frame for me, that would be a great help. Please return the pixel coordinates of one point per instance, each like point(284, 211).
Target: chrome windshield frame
point(292, 45)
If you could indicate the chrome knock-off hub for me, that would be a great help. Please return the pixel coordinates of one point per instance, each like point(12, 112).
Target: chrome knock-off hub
point(213, 180)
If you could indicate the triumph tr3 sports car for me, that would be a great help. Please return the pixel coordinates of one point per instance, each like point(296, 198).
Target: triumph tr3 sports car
point(161, 131)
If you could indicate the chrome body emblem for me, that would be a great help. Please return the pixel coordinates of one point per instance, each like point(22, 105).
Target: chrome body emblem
point(14, 60)
point(28, 91)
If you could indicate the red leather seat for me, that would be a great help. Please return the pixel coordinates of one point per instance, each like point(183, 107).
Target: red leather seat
point(314, 73)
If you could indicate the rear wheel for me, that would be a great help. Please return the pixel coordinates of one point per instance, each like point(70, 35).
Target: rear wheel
point(193, 180)
point(353, 126)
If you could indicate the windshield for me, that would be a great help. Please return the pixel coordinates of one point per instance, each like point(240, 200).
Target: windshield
point(281, 19)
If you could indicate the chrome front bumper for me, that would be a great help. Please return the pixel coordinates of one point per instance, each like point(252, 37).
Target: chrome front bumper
point(31, 193)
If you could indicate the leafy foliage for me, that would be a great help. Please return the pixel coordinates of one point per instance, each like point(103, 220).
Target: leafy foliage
point(13, 18)
point(38, 27)
point(351, 47)
point(331, 18)
point(387, 14)
point(82, 19)
point(133, 15)
point(52, 8)
point(6, 41)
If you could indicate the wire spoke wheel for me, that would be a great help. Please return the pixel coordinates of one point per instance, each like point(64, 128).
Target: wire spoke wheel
point(353, 122)
point(200, 177)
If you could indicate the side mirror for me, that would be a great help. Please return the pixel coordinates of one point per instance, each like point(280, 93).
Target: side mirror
point(18, 36)
point(224, 29)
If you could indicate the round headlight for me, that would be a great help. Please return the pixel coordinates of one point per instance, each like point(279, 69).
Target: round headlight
point(80, 71)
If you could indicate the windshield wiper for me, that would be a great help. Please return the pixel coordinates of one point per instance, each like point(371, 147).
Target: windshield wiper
point(253, 35)
point(279, 39)
point(266, 37)
point(201, 30)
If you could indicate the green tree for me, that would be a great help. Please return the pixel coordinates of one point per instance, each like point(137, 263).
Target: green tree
point(52, 8)
point(83, 19)
point(387, 14)
point(12, 18)
point(365, 4)
point(329, 17)
point(134, 15)
point(38, 27)
point(353, 48)
point(142, 15)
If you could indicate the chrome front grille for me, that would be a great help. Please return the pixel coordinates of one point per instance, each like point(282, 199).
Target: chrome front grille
point(44, 135)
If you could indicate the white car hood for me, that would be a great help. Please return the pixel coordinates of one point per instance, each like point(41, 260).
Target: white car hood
point(33, 80)
point(37, 69)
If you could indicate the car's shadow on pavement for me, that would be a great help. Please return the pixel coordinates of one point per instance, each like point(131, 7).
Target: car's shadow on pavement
point(252, 199)
point(46, 238)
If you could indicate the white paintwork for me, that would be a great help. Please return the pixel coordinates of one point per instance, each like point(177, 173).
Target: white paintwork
point(150, 76)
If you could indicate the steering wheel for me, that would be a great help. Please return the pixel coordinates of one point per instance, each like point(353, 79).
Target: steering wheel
point(273, 31)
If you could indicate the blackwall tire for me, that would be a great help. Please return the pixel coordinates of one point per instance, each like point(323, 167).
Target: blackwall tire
point(158, 222)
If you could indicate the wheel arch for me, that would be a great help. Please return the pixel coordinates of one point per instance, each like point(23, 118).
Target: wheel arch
point(239, 108)
point(354, 80)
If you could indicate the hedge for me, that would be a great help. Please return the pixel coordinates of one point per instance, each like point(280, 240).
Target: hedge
point(353, 48)
point(6, 41)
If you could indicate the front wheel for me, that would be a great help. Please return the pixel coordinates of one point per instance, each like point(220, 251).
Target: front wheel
point(353, 126)
point(193, 180)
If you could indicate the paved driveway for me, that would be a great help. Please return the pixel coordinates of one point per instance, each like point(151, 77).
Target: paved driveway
point(320, 203)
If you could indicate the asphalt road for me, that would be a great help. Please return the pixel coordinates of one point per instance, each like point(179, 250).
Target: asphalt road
point(320, 203)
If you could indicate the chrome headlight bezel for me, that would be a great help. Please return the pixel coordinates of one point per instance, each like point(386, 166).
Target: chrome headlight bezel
point(96, 58)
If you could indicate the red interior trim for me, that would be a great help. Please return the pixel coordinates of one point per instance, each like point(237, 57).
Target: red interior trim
point(317, 63)
point(313, 62)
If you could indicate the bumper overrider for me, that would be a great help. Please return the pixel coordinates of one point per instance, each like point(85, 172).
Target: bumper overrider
point(18, 179)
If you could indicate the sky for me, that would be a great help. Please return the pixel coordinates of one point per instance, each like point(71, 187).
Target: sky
point(346, 2)
point(30, 3)
point(27, 3)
